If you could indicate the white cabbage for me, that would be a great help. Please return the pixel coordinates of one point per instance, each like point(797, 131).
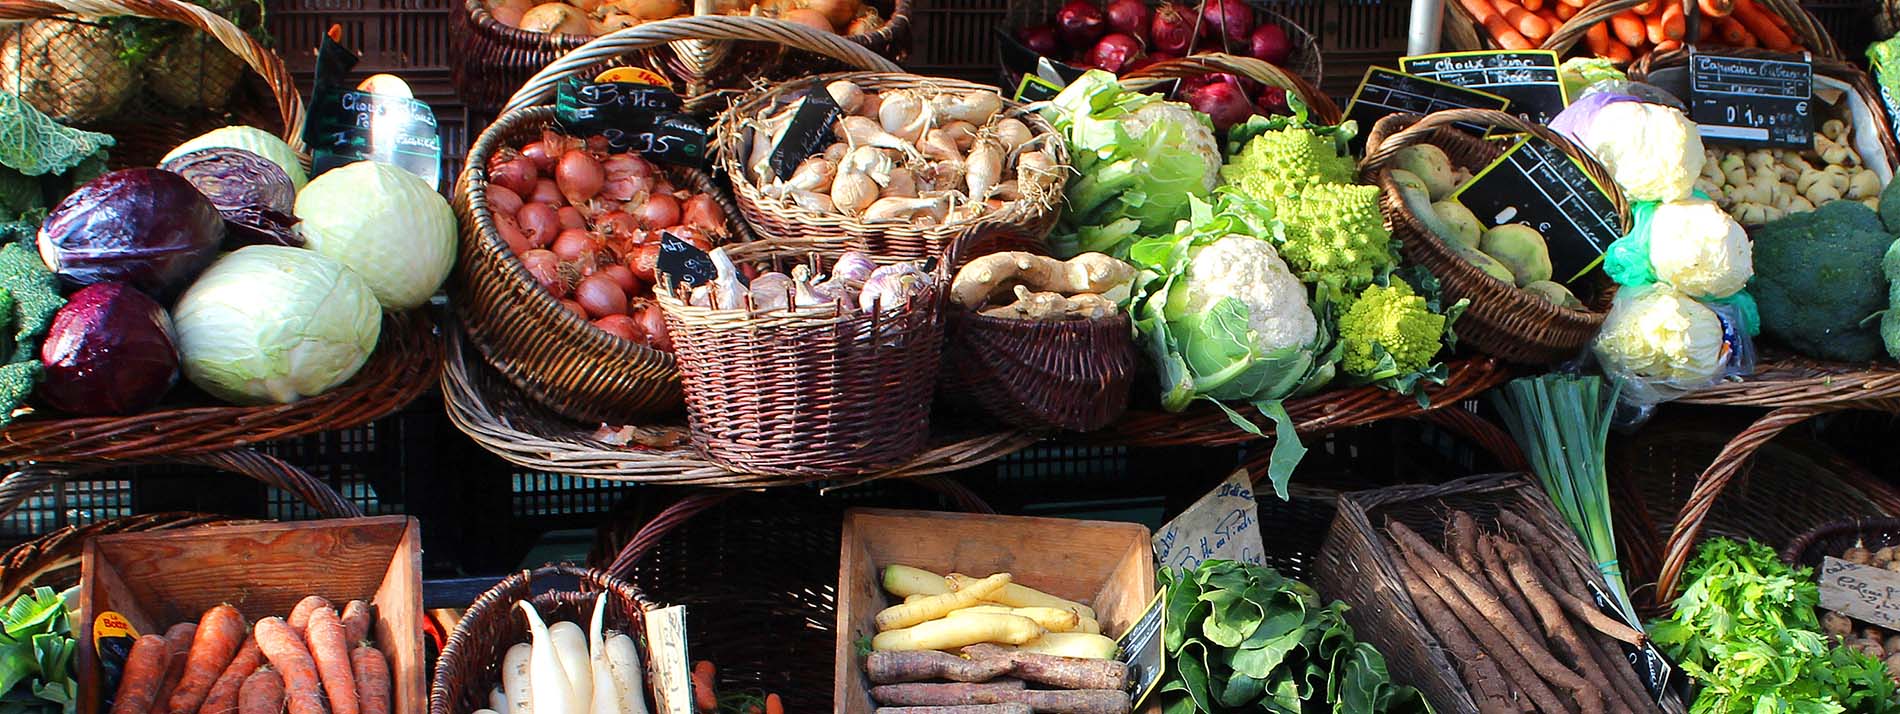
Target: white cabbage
point(384, 223)
point(252, 139)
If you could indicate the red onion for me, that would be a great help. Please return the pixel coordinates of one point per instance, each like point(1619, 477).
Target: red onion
point(1172, 30)
point(601, 296)
point(537, 153)
point(1231, 18)
point(511, 234)
point(641, 261)
point(545, 191)
point(653, 320)
point(571, 217)
point(615, 225)
point(1040, 39)
point(579, 177)
point(1268, 42)
point(545, 266)
point(1129, 17)
point(620, 166)
point(1115, 52)
point(540, 223)
point(503, 201)
point(1222, 102)
point(1272, 100)
point(703, 212)
point(575, 308)
point(619, 326)
point(622, 276)
point(1081, 23)
point(660, 211)
point(516, 175)
point(575, 245)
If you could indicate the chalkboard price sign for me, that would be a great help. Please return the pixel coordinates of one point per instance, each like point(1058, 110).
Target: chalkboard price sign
point(1656, 671)
point(1384, 92)
point(634, 117)
point(346, 125)
point(683, 263)
point(809, 132)
point(1536, 184)
point(1528, 78)
point(1752, 101)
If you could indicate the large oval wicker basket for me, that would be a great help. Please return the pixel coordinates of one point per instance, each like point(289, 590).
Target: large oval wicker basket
point(1462, 31)
point(559, 359)
point(784, 224)
point(1502, 321)
point(1072, 375)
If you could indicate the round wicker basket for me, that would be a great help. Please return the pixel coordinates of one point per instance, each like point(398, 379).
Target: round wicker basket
point(1810, 548)
point(1502, 321)
point(470, 664)
point(52, 560)
point(25, 481)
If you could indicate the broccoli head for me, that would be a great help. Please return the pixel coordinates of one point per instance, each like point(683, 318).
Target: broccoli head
point(1890, 320)
point(1389, 321)
point(1818, 278)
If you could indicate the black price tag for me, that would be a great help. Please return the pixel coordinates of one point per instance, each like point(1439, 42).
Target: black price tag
point(1536, 184)
point(683, 263)
point(809, 132)
point(1141, 648)
point(1036, 89)
point(1755, 102)
point(1385, 92)
point(640, 118)
point(346, 126)
point(1527, 78)
point(1656, 671)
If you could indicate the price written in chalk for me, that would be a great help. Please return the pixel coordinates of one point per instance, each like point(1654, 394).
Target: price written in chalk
point(1752, 101)
point(1223, 525)
point(1862, 592)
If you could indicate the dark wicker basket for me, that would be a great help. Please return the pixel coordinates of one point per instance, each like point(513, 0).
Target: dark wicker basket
point(1502, 321)
point(784, 224)
point(470, 664)
point(1835, 538)
point(1356, 565)
point(490, 60)
point(816, 392)
point(708, 64)
point(1305, 61)
point(1072, 375)
point(52, 560)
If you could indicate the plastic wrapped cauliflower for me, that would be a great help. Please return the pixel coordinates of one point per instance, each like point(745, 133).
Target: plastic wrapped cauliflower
point(1661, 344)
point(1695, 246)
point(1653, 152)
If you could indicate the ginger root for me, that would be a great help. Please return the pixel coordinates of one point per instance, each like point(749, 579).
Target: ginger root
point(1053, 307)
point(992, 276)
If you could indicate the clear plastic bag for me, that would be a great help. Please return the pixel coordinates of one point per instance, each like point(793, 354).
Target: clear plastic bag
point(1637, 350)
point(1627, 262)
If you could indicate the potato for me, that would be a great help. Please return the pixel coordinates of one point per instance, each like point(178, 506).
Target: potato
point(1432, 166)
point(952, 632)
point(1557, 294)
point(1462, 226)
point(1521, 249)
point(1485, 263)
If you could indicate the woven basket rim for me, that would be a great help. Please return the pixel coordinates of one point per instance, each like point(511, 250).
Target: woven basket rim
point(1464, 27)
point(1796, 551)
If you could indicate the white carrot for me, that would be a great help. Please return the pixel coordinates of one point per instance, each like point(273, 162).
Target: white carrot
point(606, 695)
point(517, 680)
point(628, 678)
point(497, 699)
point(553, 693)
point(485, 711)
point(570, 642)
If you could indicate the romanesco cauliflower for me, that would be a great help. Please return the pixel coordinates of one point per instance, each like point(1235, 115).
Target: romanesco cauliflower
point(1333, 231)
point(1389, 320)
point(1277, 164)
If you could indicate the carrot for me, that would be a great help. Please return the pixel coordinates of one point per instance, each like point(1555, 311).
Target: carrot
point(1760, 24)
point(1705, 30)
point(223, 697)
point(262, 693)
point(220, 634)
point(1527, 23)
point(331, 648)
point(178, 638)
point(704, 698)
point(773, 705)
point(1563, 12)
point(1628, 27)
point(1620, 53)
point(1715, 8)
point(356, 621)
point(1674, 25)
point(1653, 28)
point(144, 673)
point(1533, 5)
point(1495, 24)
point(300, 615)
point(1576, 4)
point(1668, 45)
point(303, 690)
point(1731, 32)
point(1597, 39)
point(1549, 16)
point(371, 669)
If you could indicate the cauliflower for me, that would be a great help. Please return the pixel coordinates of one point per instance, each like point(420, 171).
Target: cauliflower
point(1334, 232)
point(1695, 246)
point(1658, 334)
point(1389, 321)
point(1652, 151)
point(1249, 271)
point(1276, 165)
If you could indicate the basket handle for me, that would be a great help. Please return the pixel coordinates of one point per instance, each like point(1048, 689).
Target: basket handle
point(1321, 106)
point(20, 485)
point(266, 63)
point(540, 88)
point(1398, 131)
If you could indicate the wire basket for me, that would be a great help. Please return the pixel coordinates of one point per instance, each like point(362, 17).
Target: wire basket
point(1502, 321)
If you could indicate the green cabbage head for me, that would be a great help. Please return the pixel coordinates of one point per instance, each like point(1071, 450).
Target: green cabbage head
point(384, 223)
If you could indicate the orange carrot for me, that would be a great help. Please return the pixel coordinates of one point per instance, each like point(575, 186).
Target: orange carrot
point(1653, 28)
point(1628, 27)
point(330, 646)
point(773, 705)
point(178, 638)
point(303, 690)
point(1563, 11)
point(1597, 39)
point(704, 698)
point(1533, 5)
point(1761, 26)
point(356, 620)
point(1674, 25)
point(1705, 30)
point(1620, 53)
point(1730, 32)
point(220, 634)
point(1495, 24)
point(1644, 8)
point(1668, 45)
point(1549, 15)
point(1527, 23)
point(371, 670)
point(144, 673)
point(223, 697)
point(1576, 4)
point(300, 615)
point(262, 693)
point(1715, 8)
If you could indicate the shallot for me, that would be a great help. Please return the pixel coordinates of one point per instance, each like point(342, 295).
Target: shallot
point(659, 211)
point(852, 193)
point(545, 191)
point(861, 131)
point(848, 96)
point(615, 225)
point(622, 276)
point(984, 168)
point(975, 106)
point(1012, 132)
point(575, 246)
point(537, 153)
point(901, 114)
point(503, 201)
point(620, 326)
point(579, 177)
point(511, 234)
point(517, 175)
point(601, 296)
point(545, 267)
point(703, 212)
point(539, 222)
point(652, 320)
point(571, 217)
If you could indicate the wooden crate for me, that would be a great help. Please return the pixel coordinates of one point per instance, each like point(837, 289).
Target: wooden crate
point(1107, 566)
point(158, 579)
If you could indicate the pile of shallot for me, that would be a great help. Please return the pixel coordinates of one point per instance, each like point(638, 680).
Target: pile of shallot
point(922, 156)
point(587, 222)
point(854, 282)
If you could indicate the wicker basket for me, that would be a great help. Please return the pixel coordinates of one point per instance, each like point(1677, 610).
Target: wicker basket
point(52, 560)
point(1073, 375)
point(26, 481)
point(708, 64)
point(48, 64)
point(1320, 108)
point(470, 664)
point(1356, 565)
point(819, 392)
point(1502, 321)
point(491, 59)
point(1462, 31)
point(784, 224)
point(1833, 539)
point(1305, 61)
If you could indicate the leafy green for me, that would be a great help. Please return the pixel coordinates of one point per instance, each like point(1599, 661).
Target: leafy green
point(1745, 628)
point(1243, 638)
point(35, 145)
point(36, 655)
point(1562, 423)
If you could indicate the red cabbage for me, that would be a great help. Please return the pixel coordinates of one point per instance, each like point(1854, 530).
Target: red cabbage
point(147, 227)
point(110, 351)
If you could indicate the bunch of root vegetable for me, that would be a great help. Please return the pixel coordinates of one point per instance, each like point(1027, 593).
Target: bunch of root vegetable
point(1517, 620)
point(921, 156)
point(1652, 26)
point(316, 661)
